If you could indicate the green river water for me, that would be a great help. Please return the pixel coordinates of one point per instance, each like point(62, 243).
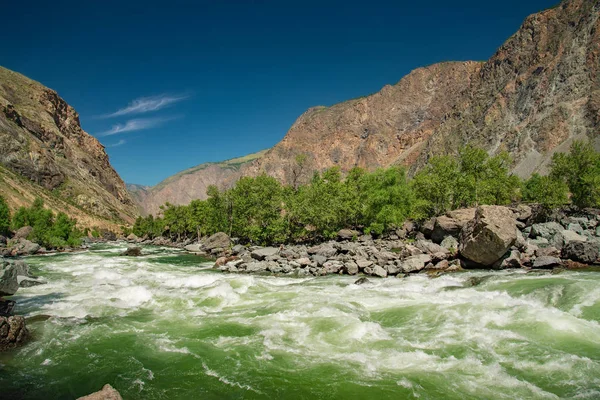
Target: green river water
point(166, 326)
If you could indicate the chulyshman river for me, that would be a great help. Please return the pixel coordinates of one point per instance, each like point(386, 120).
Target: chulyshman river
point(167, 326)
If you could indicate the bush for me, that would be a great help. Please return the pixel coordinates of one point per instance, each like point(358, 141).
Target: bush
point(5, 220)
point(545, 190)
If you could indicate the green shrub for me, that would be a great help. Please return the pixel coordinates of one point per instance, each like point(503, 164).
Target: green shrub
point(5, 220)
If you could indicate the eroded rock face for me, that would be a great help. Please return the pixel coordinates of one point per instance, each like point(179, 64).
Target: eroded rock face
point(486, 238)
point(41, 139)
point(13, 332)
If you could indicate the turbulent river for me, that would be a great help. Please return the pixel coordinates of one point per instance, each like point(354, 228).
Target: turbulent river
point(166, 326)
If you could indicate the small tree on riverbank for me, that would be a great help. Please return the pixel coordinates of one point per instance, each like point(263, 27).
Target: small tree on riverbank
point(4, 217)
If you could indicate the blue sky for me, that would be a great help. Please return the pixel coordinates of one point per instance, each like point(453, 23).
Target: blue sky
point(169, 85)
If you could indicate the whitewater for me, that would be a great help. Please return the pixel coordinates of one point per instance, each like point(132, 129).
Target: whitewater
point(168, 326)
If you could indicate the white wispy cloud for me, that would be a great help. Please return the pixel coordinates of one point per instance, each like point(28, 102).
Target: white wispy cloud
point(119, 143)
point(135, 125)
point(148, 104)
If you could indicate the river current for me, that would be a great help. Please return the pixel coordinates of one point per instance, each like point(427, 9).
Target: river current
point(167, 326)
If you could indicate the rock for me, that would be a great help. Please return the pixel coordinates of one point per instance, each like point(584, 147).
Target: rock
point(510, 260)
point(304, 261)
point(486, 238)
point(238, 249)
point(547, 251)
point(325, 250)
point(8, 279)
point(225, 260)
point(522, 212)
point(351, 268)
point(362, 263)
point(23, 233)
point(368, 238)
point(319, 260)
point(427, 227)
point(450, 243)
point(570, 236)
point(26, 281)
point(24, 247)
point(333, 266)
point(583, 252)
point(362, 281)
point(547, 262)
point(415, 263)
point(546, 230)
point(379, 271)
point(13, 332)
point(575, 227)
point(219, 240)
point(194, 248)
point(21, 267)
point(428, 247)
point(259, 266)
point(3, 240)
point(6, 307)
point(132, 252)
point(451, 224)
point(348, 234)
point(393, 268)
point(262, 253)
point(107, 393)
point(132, 237)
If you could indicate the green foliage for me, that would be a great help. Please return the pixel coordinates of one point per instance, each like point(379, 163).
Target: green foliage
point(48, 230)
point(5, 219)
point(546, 190)
point(580, 171)
point(473, 178)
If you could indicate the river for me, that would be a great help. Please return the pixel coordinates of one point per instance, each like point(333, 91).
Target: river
point(166, 326)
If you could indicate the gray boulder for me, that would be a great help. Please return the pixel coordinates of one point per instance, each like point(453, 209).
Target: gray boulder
point(415, 263)
point(319, 260)
point(262, 253)
point(24, 247)
point(238, 249)
point(259, 266)
point(27, 281)
point(583, 252)
point(486, 238)
point(571, 236)
point(545, 230)
point(510, 260)
point(428, 247)
point(132, 252)
point(333, 266)
point(219, 240)
point(13, 332)
point(8, 279)
point(325, 250)
point(350, 268)
point(450, 243)
point(23, 232)
point(451, 224)
point(547, 262)
point(379, 271)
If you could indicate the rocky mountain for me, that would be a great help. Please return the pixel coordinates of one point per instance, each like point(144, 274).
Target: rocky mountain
point(44, 152)
point(190, 184)
point(532, 98)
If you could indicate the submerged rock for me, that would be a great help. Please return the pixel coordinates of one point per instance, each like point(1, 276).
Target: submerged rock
point(362, 281)
point(107, 393)
point(13, 332)
point(132, 252)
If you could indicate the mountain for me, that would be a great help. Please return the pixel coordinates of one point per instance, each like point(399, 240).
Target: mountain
point(190, 184)
point(532, 98)
point(45, 153)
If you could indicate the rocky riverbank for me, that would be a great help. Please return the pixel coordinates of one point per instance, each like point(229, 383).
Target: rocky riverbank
point(489, 237)
point(13, 332)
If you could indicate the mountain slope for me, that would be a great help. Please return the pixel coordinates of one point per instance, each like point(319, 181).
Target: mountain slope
point(41, 140)
point(190, 184)
point(532, 98)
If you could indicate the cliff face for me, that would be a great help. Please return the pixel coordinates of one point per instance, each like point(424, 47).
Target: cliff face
point(532, 98)
point(190, 184)
point(41, 140)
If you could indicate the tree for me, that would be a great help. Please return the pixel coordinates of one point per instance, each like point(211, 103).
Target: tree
point(548, 191)
point(5, 220)
point(580, 171)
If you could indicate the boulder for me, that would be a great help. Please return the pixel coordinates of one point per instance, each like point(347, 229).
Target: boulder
point(547, 262)
point(219, 240)
point(546, 230)
point(325, 250)
point(428, 247)
point(21, 267)
point(8, 279)
point(379, 271)
point(194, 248)
point(348, 234)
point(132, 252)
point(511, 260)
point(27, 281)
point(522, 212)
point(13, 332)
point(451, 224)
point(319, 260)
point(583, 252)
point(415, 263)
point(333, 266)
point(258, 266)
point(24, 247)
point(362, 281)
point(304, 261)
point(262, 253)
point(132, 237)
point(362, 263)
point(107, 393)
point(450, 243)
point(238, 249)
point(486, 238)
point(23, 232)
point(350, 268)
point(571, 236)
point(225, 260)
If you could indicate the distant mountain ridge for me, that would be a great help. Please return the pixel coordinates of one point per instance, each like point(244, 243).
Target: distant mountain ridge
point(532, 98)
point(45, 153)
point(191, 183)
